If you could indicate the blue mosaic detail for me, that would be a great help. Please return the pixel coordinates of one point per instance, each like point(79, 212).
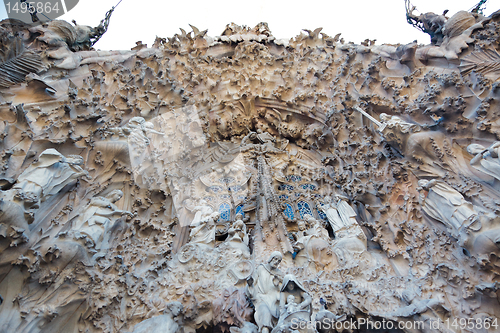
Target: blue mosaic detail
point(214, 189)
point(239, 210)
point(285, 187)
point(304, 208)
point(289, 212)
point(283, 197)
point(225, 212)
point(308, 186)
point(321, 214)
point(226, 180)
point(236, 188)
point(293, 178)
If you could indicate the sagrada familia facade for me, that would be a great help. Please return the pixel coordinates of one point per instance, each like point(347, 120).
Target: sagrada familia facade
point(242, 183)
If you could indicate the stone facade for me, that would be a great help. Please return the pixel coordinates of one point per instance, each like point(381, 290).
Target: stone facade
point(242, 183)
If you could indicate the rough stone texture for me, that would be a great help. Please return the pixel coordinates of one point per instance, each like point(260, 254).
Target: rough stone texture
point(145, 190)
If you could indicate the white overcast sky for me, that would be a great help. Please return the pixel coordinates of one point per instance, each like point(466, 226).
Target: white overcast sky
point(384, 20)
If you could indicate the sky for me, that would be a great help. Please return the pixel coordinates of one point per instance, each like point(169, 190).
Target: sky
point(357, 20)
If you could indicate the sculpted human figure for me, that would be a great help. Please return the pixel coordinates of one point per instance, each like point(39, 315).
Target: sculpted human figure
point(312, 243)
point(203, 225)
point(291, 306)
point(264, 289)
point(292, 287)
point(48, 176)
point(170, 322)
point(390, 122)
point(95, 219)
point(237, 236)
point(445, 204)
point(238, 232)
point(350, 240)
point(265, 141)
point(136, 131)
point(330, 209)
point(346, 212)
point(486, 159)
point(201, 211)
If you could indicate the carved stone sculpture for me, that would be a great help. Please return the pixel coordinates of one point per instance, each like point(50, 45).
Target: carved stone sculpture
point(48, 176)
point(197, 159)
point(203, 225)
point(312, 245)
point(237, 237)
point(233, 308)
point(291, 287)
point(170, 322)
point(264, 288)
point(329, 207)
point(445, 204)
point(94, 221)
point(486, 159)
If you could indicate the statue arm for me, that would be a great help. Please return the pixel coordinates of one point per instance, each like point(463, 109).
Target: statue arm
point(122, 212)
point(477, 159)
point(430, 184)
point(282, 303)
point(153, 131)
point(307, 300)
point(493, 149)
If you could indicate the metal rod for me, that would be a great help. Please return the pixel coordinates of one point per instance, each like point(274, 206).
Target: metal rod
point(364, 113)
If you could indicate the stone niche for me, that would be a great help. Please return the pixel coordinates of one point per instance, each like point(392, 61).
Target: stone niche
point(242, 183)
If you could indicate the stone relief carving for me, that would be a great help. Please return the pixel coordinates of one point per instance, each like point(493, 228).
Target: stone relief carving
point(312, 244)
point(445, 204)
point(486, 159)
point(48, 176)
point(151, 188)
point(94, 222)
point(264, 289)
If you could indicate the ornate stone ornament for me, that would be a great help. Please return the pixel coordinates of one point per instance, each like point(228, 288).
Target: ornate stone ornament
point(242, 183)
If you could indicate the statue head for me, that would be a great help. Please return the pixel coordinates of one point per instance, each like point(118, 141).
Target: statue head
point(136, 122)
point(302, 225)
point(290, 299)
point(310, 219)
point(384, 117)
point(238, 225)
point(475, 149)
point(275, 259)
point(422, 182)
point(149, 125)
point(175, 308)
point(214, 216)
point(115, 195)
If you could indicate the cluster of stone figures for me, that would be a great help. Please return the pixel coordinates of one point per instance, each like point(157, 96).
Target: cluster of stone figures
point(246, 184)
point(52, 173)
point(280, 301)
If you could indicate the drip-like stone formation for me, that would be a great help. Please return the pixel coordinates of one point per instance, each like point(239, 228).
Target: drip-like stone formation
point(247, 184)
